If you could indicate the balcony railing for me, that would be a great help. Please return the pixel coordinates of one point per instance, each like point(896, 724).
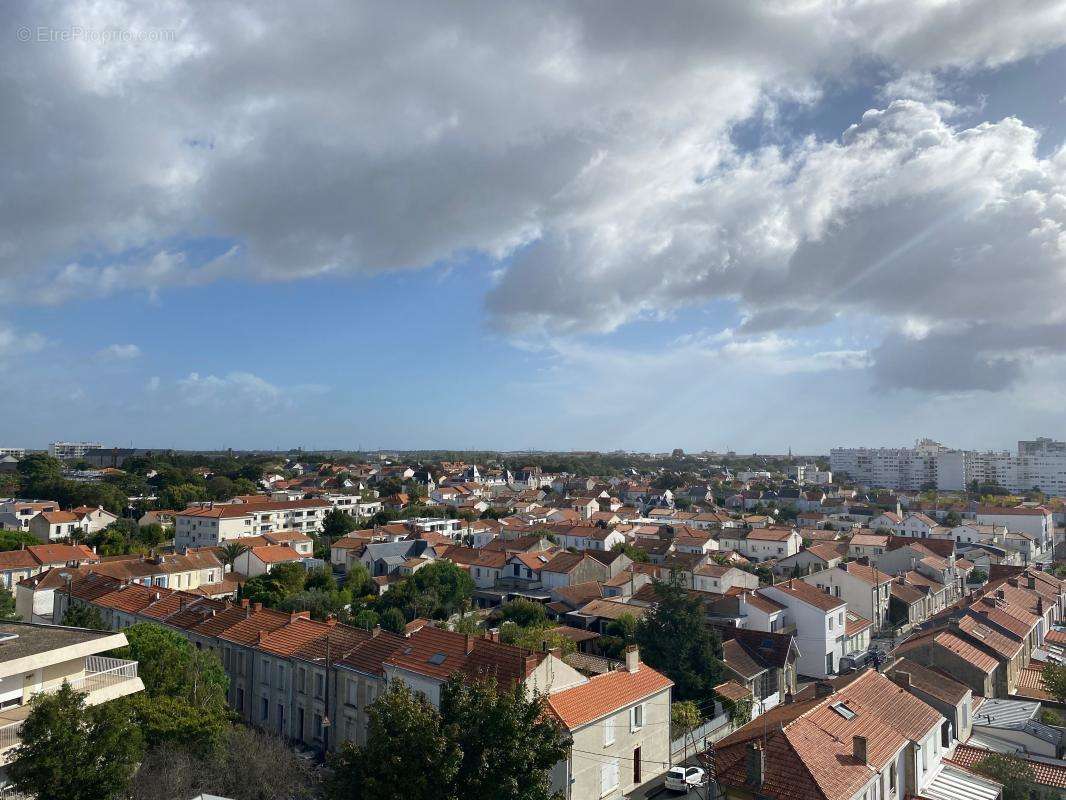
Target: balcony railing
point(100, 673)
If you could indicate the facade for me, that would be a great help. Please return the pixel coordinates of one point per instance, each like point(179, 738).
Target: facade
point(818, 621)
point(72, 450)
point(865, 589)
point(50, 526)
point(211, 524)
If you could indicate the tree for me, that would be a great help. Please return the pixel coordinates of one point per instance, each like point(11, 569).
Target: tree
point(80, 616)
point(494, 725)
point(522, 612)
point(437, 590)
point(403, 729)
point(15, 540)
point(674, 639)
point(321, 578)
point(150, 535)
point(184, 698)
point(251, 765)
point(358, 580)
point(230, 552)
point(1055, 680)
point(69, 751)
point(684, 717)
point(336, 524)
point(38, 468)
point(393, 620)
point(1015, 775)
point(952, 519)
point(366, 619)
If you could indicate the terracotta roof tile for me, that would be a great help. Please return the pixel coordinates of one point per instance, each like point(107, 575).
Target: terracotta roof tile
point(605, 694)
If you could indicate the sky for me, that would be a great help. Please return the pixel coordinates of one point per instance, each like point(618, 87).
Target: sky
point(551, 225)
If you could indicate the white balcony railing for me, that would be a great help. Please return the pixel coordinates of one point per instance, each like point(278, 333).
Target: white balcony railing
point(100, 673)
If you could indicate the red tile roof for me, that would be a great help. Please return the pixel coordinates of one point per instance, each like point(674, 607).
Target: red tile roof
point(605, 694)
point(1045, 774)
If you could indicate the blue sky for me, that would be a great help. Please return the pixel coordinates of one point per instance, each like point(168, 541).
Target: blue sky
point(572, 240)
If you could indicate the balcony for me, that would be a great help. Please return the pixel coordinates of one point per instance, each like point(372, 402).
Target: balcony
point(103, 679)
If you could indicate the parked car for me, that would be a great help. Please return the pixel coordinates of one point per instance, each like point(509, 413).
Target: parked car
point(855, 661)
point(683, 779)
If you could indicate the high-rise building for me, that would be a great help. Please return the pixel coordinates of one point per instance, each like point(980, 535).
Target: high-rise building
point(1040, 463)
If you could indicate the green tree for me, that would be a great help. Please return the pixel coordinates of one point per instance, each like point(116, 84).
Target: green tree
point(1055, 680)
point(220, 488)
point(358, 580)
point(1015, 775)
point(437, 590)
point(7, 608)
point(151, 535)
point(366, 619)
point(15, 540)
point(493, 725)
point(522, 612)
point(184, 701)
point(80, 616)
point(69, 751)
point(684, 717)
point(675, 639)
point(336, 524)
point(230, 552)
point(321, 578)
point(403, 729)
point(39, 468)
point(393, 620)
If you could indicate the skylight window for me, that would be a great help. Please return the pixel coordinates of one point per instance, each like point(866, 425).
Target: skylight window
point(437, 658)
point(843, 710)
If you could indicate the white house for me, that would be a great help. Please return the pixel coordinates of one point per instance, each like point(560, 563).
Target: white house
point(865, 589)
point(820, 623)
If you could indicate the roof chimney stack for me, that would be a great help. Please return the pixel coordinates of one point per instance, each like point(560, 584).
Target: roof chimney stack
point(859, 746)
point(632, 658)
point(756, 764)
point(903, 680)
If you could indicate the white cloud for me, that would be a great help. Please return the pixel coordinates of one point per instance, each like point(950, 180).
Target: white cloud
point(14, 343)
point(119, 352)
point(241, 390)
point(592, 142)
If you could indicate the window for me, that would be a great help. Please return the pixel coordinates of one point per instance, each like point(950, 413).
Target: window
point(830, 623)
point(608, 732)
point(302, 680)
point(353, 689)
point(636, 717)
point(264, 708)
point(320, 684)
point(318, 726)
point(608, 777)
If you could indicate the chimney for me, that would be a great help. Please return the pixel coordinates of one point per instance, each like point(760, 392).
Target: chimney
point(1030, 581)
point(859, 746)
point(756, 764)
point(244, 602)
point(903, 680)
point(632, 658)
point(823, 689)
point(375, 631)
point(468, 644)
point(1040, 606)
point(1000, 595)
point(257, 607)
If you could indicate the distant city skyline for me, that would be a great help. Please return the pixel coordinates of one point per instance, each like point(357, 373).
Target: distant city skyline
point(586, 230)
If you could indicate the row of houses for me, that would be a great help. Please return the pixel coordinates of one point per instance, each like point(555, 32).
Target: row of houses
point(311, 681)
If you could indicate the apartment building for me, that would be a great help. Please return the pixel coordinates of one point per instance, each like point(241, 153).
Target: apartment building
point(72, 450)
point(210, 524)
point(14, 452)
point(39, 658)
point(1040, 463)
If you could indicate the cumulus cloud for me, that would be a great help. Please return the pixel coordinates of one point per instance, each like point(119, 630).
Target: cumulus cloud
point(240, 390)
point(591, 143)
point(119, 352)
point(15, 343)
